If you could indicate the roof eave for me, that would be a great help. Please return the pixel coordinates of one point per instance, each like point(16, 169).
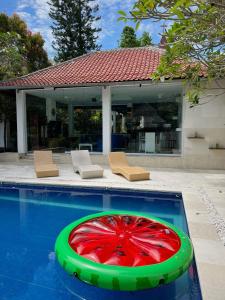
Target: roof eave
point(88, 84)
point(109, 83)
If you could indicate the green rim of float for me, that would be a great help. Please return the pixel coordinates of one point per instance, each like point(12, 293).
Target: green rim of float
point(122, 277)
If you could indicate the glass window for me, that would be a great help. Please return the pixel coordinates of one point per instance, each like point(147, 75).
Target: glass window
point(147, 119)
point(36, 122)
point(65, 119)
point(8, 126)
point(88, 127)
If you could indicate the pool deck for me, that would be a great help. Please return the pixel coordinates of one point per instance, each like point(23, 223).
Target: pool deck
point(204, 199)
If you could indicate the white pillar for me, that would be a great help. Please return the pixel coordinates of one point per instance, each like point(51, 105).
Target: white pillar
point(106, 119)
point(21, 114)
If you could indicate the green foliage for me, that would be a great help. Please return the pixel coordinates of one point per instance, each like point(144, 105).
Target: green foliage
point(73, 27)
point(146, 39)
point(7, 107)
point(13, 24)
point(36, 56)
point(88, 120)
point(195, 40)
point(129, 38)
point(12, 61)
point(20, 50)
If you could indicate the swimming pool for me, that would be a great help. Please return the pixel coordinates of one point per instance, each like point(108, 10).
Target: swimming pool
point(31, 218)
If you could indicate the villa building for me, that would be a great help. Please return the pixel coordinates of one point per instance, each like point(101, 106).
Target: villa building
point(106, 101)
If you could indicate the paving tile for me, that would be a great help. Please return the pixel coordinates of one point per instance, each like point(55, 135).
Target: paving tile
point(195, 205)
point(212, 281)
point(197, 216)
point(221, 211)
point(191, 197)
point(203, 231)
point(209, 251)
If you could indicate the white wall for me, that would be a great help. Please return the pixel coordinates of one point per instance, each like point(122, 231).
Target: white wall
point(208, 121)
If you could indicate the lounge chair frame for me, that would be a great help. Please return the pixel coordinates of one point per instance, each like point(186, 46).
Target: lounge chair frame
point(82, 165)
point(119, 165)
point(44, 165)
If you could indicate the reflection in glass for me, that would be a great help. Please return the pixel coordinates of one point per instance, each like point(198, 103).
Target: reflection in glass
point(147, 119)
point(65, 119)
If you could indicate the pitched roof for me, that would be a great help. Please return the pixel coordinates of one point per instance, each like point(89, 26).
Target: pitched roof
point(130, 64)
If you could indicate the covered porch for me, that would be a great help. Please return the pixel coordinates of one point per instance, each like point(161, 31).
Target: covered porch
point(138, 118)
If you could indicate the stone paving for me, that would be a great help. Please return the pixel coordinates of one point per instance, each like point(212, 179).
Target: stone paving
point(204, 200)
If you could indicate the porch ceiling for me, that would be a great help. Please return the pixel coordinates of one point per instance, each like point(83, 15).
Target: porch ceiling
point(120, 95)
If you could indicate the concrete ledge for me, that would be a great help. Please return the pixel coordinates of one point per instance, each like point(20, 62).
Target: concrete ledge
point(157, 161)
point(201, 162)
point(9, 157)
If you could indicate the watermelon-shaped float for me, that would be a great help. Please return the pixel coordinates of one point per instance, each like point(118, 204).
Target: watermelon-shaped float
point(123, 250)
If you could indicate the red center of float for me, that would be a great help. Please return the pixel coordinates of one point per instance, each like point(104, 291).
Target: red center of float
point(123, 240)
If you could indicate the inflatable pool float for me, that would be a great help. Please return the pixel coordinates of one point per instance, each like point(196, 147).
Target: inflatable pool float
point(123, 250)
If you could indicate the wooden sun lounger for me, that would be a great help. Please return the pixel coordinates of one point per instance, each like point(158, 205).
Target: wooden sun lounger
point(82, 164)
point(119, 165)
point(43, 164)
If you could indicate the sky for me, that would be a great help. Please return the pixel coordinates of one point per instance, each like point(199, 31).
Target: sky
point(35, 14)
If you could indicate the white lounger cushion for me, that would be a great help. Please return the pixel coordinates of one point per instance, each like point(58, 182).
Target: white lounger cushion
point(90, 171)
point(82, 164)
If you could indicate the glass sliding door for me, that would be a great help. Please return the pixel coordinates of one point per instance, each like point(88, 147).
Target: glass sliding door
point(65, 119)
point(147, 119)
point(8, 125)
point(36, 123)
point(88, 127)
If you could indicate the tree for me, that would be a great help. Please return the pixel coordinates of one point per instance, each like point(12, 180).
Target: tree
point(21, 51)
point(129, 38)
point(195, 40)
point(146, 39)
point(12, 61)
point(16, 24)
point(37, 57)
point(74, 27)
point(4, 23)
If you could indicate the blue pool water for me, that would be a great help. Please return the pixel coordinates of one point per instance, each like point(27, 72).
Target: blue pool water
point(32, 217)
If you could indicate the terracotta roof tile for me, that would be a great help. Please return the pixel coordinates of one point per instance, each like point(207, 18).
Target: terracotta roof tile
point(98, 67)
